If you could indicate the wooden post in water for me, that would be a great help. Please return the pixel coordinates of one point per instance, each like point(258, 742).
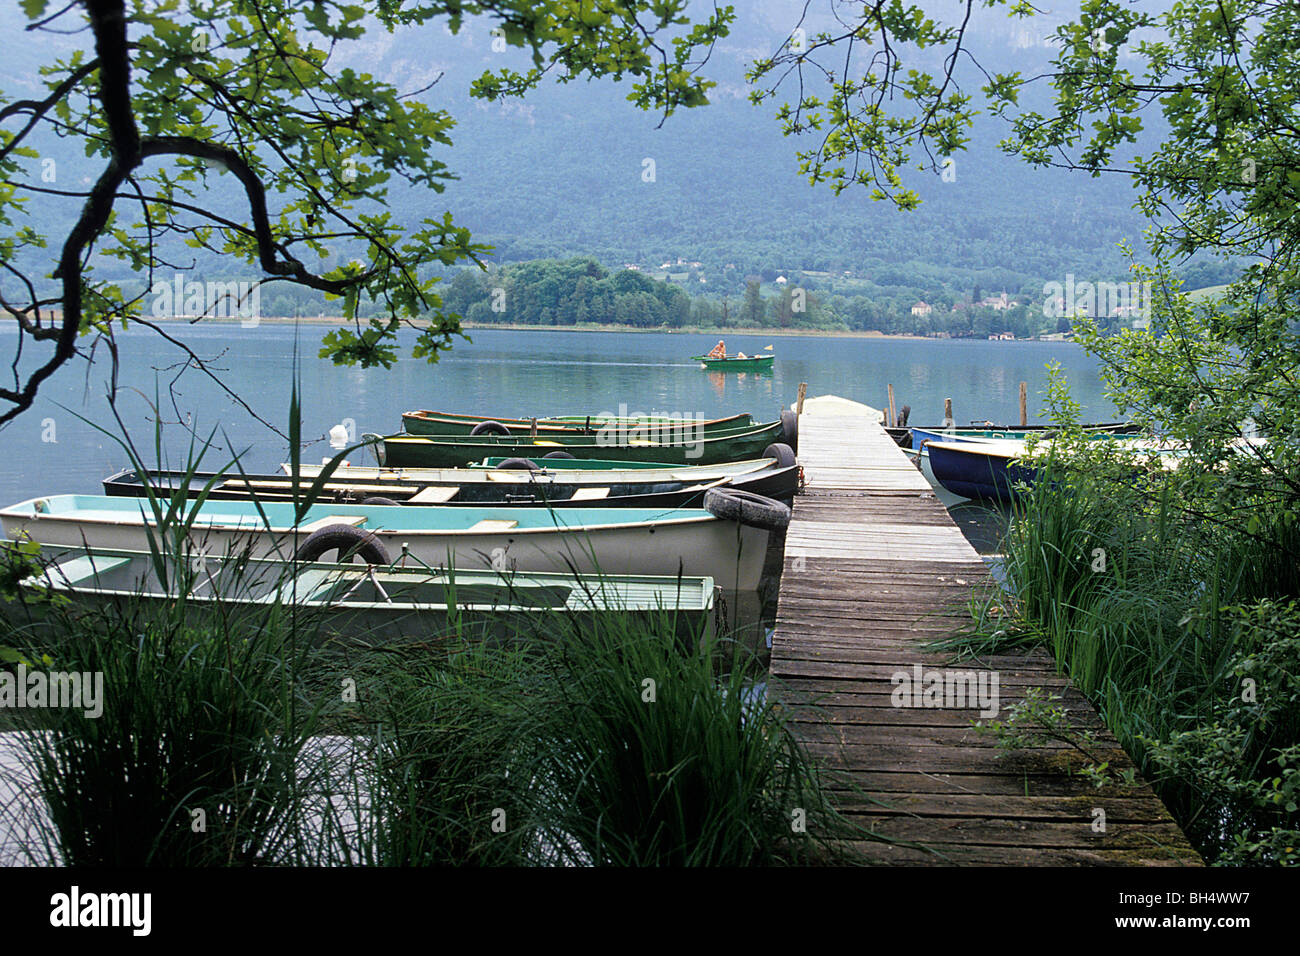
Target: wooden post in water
point(532, 430)
point(1024, 408)
point(893, 419)
point(798, 405)
point(947, 413)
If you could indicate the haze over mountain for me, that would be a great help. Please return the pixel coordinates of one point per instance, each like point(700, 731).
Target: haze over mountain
point(575, 170)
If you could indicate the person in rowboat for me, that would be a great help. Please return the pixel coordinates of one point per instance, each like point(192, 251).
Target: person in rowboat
point(719, 350)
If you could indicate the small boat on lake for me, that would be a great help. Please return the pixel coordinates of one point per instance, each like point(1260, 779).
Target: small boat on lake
point(669, 446)
point(570, 470)
point(709, 542)
point(736, 363)
point(365, 602)
point(424, 422)
point(464, 488)
point(984, 470)
point(1016, 432)
point(990, 468)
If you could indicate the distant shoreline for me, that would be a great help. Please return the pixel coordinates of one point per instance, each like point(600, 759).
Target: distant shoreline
point(688, 330)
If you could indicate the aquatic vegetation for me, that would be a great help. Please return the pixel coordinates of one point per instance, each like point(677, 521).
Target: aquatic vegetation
point(1159, 607)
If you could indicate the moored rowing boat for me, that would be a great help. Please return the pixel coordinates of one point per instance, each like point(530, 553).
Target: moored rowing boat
point(580, 540)
point(465, 488)
point(633, 445)
point(366, 602)
point(425, 422)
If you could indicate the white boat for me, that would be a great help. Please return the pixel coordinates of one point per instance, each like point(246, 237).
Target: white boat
point(616, 541)
point(365, 601)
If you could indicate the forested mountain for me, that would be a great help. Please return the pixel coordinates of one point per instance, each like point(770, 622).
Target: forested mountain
point(712, 198)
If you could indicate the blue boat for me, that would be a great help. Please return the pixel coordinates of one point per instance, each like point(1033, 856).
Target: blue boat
point(983, 470)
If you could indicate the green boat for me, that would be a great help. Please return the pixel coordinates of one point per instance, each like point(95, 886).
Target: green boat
point(610, 435)
point(667, 447)
point(425, 422)
point(733, 363)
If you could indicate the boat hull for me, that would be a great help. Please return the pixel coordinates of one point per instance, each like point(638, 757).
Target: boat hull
point(568, 470)
point(757, 363)
point(407, 451)
point(524, 491)
point(966, 469)
point(574, 540)
point(426, 422)
point(346, 602)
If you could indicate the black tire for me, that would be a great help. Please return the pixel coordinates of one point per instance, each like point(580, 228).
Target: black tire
point(518, 464)
point(557, 454)
point(747, 508)
point(782, 452)
point(347, 541)
point(790, 425)
point(377, 500)
point(489, 428)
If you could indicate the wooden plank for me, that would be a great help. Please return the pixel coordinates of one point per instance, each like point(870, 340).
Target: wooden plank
point(354, 521)
point(435, 494)
point(874, 571)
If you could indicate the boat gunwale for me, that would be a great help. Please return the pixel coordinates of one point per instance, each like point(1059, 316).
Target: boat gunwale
point(697, 515)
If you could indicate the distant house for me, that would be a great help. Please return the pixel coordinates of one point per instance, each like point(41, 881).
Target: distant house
point(632, 266)
point(781, 280)
point(999, 302)
point(1002, 337)
point(922, 308)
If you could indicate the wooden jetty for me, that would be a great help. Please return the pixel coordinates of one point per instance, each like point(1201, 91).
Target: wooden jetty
point(875, 569)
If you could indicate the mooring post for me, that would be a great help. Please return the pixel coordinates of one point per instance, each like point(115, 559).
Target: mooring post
point(1024, 408)
point(798, 405)
point(893, 419)
point(948, 420)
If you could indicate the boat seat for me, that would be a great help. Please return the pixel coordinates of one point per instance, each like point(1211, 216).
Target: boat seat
point(590, 494)
point(514, 476)
point(307, 585)
point(84, 568)
point(494, 524)
point(434, 494)
point(355, 521)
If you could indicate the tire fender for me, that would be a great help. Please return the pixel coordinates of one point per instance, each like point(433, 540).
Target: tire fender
point(750, 509)
point(489, 428)
point(346, 540)
point(517, 464)
point(782, 452)
point(790, 426)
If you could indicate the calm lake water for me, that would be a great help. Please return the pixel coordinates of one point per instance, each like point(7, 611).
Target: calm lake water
point(51, 449)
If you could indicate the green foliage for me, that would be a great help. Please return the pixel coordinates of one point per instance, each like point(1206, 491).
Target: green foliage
point(602, 740)
point(1128, 580)
point(1244, 760)
point(568, 292)
point(242, 135)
